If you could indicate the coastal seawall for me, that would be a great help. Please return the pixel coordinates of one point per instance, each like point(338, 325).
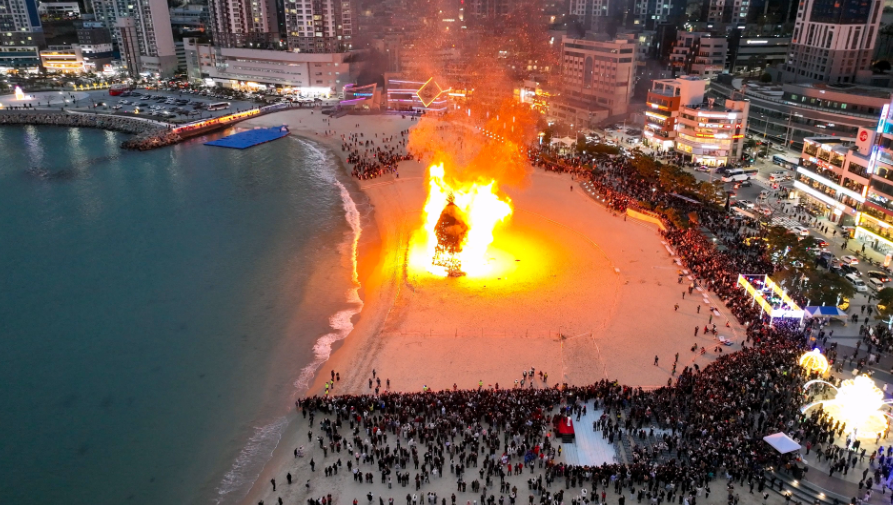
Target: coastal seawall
point(148, 134)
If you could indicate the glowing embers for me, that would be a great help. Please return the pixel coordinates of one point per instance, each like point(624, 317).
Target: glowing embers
point(459, 222)
point(814, 361)
point(857, 406)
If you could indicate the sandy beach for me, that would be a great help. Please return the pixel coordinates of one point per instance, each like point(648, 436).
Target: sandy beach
point(577, 292)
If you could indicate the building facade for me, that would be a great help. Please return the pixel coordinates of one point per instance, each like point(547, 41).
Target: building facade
point(699, 53)
point(142, 33)
point(833, 41)
point(830, 178)
point(310, 74)
point(59, 9)
point(319, 26)
point(239, 23)
point(20, 23)
point(663, 105)
point(783, 115)
point(599, 73)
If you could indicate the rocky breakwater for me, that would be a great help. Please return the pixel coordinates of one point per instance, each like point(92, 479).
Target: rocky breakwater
point(147, 134)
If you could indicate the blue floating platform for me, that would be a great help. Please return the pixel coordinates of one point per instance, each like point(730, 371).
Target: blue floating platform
point(250, 138)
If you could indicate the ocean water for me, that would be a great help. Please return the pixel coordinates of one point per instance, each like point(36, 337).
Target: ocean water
point(160, 311)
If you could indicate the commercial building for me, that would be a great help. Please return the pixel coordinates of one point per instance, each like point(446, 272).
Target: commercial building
point(875, 147)
point(783, 115)
point(699, 53)
point(707, 132)
point(833, 41)
point(406, 95)
point(319, 26)
point(240, 23)
point(598, 74)
point(749, 54)
point(59, 9)
point(142, 33)
point(311, 74)
point(75, 58)
point(830, 180)
point(19, 58)
point(20, 23)
point(663, 105)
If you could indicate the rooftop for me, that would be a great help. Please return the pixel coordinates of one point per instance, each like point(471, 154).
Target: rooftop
point(850, 89)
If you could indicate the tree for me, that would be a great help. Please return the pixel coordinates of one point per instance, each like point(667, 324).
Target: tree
point(822, 287)
point(766, 77)
point(885, 302)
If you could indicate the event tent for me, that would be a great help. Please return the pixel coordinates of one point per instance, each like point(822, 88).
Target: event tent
point(782, 443)
point(824, 311)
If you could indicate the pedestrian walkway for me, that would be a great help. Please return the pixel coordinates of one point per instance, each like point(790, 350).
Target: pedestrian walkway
point(589, 448)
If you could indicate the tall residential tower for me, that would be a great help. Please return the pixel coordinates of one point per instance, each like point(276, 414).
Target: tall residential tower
point(833, 40)
point(142, 32)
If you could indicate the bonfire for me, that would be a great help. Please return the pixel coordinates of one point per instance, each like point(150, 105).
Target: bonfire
point(459, 221)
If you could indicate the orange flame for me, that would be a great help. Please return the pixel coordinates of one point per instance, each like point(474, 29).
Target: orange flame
point(482, 210)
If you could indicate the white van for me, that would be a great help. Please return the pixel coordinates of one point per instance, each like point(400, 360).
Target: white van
point(735, 175)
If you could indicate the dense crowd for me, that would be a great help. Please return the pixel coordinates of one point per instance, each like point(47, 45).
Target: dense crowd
point(374, 157)
point(705, 428)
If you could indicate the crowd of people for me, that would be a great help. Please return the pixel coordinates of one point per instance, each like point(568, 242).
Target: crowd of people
point(700, 433)
point(374, 157)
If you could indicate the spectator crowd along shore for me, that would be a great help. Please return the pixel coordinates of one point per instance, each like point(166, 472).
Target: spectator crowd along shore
point(700, 433)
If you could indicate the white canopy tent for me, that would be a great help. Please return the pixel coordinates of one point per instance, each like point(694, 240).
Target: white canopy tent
point(782, 443)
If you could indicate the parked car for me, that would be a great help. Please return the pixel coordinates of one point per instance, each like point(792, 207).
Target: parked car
point(881, 276)
point(849, 260)
point(850, 269)
point(877, 284)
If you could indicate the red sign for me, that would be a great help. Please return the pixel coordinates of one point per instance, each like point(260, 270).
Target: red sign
point(863, 135)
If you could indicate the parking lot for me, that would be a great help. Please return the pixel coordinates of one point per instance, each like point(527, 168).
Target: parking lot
point(174, 107)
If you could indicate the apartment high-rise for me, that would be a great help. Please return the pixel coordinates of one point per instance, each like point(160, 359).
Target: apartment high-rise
point(142, 32)
point(319, 26)
point(833, 41)
point(20, 23)
point(238, 23)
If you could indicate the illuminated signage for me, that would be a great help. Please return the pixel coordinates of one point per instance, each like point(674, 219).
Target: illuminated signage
point(757, 41)
point(880, 123)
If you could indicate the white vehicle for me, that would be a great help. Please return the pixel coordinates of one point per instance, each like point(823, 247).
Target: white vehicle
point(779, 176)
point(857, 282)
point(747, 203)
point(849, 260)
point(876, 283)
point(800, 230)
point(735, 175)
point(219, 106)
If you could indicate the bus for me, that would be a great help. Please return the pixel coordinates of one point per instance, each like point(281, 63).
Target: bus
point(785, 161)
point(219, 106)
